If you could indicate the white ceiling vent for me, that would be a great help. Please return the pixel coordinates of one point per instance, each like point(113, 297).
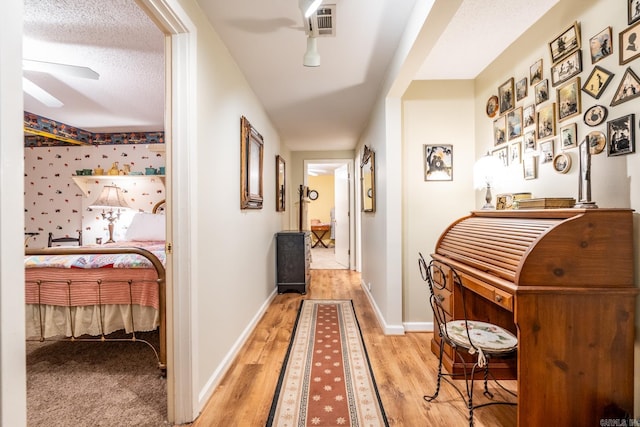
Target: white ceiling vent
point(322, 22)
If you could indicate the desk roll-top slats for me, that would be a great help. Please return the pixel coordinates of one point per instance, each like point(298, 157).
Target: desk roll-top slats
point(563, 280)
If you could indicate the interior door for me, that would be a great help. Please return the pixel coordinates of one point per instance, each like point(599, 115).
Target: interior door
point(341, 226)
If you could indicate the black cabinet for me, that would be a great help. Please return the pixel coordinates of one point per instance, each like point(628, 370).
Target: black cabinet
point(293, 259)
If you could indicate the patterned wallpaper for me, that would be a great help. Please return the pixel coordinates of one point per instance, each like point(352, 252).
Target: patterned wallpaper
point(55, 203)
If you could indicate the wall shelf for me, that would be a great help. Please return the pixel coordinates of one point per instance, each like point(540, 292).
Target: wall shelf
point(123, 181)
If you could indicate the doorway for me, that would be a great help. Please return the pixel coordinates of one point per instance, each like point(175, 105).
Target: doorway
point(330, 204)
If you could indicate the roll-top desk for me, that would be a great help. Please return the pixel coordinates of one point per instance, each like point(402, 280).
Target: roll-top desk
point(563, 281)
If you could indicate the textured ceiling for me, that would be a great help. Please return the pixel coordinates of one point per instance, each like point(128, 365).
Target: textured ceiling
point(323, 108)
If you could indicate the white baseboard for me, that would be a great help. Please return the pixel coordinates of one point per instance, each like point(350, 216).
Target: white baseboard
point(418, 326)
point(388, 329)
point(218, 374)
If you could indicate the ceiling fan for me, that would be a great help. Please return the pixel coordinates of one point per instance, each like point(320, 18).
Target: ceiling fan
point(52, 68)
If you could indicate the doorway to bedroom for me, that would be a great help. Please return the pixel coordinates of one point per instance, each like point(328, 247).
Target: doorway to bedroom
point(328, 213)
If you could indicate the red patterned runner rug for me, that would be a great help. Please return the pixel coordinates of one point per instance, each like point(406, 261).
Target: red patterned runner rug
point(326, 379)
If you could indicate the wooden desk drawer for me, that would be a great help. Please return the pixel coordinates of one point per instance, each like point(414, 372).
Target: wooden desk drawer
point(442, 274)
point(490, 292)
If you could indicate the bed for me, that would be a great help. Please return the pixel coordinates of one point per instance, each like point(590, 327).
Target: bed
point(89, 292)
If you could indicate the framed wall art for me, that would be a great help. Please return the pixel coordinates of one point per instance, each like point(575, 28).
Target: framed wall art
point(541, 91)
point(546, 121)
point(500, 130)
point(529, 115)
point(568, 136)
point(514, 123)
point(281, 189)
point(597, 81)
point(535, 72)
point(633, 11)
point(368, 180)
point(515, 153)
point(506, 96)
point(565, 44)
point(621, 136)
point(521, 89)
point(492, 106)
point(628, 88)
point(562, 162)
point(595, 115)
point(502, 154)
point(529, 141)
point(546, 151)
point(529, 170)
point(629, 43)
point(568, 99)
point(251, 155)
point(596, 142)
point(601, 45)
point(566, 68)
point(438, 162)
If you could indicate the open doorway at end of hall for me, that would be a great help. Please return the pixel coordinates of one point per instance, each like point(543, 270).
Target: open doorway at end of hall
point(328, 182)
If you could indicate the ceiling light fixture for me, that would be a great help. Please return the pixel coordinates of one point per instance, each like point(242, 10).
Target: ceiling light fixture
point(309, 6)
point(40, 94)
point(311, 56)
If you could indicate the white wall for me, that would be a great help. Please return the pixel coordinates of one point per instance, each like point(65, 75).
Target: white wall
point(434, 112)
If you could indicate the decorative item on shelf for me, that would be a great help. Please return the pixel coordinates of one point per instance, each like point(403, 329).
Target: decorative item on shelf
point(114, 169)
point(486, 172)
point(98, 171)
point(111, 197)
point(508, 201)
point(126, 169)
point(161, 170)
point(149, 171)
point(584, 185)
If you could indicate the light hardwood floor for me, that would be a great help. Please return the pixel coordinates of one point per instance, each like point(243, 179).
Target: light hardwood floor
point(404, 367)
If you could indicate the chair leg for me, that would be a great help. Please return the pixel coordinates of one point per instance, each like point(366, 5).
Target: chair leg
point(439, 380)
point(486, 380)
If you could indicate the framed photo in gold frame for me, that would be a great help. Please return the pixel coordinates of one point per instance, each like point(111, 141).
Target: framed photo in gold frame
point(281, 189)
point(565, 44)
point(251, 155)
point(568, 99)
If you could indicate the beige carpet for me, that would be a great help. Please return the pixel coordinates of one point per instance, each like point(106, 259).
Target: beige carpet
point(325, 259)
point(94, 384)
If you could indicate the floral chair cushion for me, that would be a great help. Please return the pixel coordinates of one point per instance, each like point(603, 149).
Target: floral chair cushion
point(485, 336)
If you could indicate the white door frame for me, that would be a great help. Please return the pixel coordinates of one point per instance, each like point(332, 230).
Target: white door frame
point(349, 162)
point(180, 137)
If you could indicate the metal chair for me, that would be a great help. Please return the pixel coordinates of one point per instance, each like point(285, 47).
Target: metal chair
point(53, 240)
point(481, 340)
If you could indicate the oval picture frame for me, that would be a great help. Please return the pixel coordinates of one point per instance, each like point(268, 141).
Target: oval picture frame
point(595, 115)
point(562, 163)
point(313, 194)
point(492, 106)
point(596, 141)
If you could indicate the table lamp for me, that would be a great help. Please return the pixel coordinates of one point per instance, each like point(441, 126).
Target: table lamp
point(111, 197)
point(486, 171)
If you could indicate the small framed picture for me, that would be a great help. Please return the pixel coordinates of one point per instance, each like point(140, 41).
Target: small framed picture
point(565, 44)
point(499, 130)
point(546, 151)
point(492, 106)
point(597, 81)
point(529, 167)
point(621, 136)
point(595, 115)
point(628, 88)
point(568, 98)
point(502, 154)
point(568, 136)
point(629, 43)
point(515, 153)
point(529, 115)
point(506, 96)
point(601, 45)
point(529, 141)
point(567, 68)
point(541, 91)
point(535, 72)
point(546, 121)
point(633, 11)
point(562, 162)
point(514, 123)
point(438, 162)
point(521, 89)
point(596, 142)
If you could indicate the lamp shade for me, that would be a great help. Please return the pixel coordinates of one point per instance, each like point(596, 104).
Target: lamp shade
point(309, 6)
point(486, 171)
point(311, 56)
point(110, 197)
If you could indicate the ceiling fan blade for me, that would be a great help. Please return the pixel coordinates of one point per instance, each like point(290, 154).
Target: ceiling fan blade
point(40, 94)
point(55, 68)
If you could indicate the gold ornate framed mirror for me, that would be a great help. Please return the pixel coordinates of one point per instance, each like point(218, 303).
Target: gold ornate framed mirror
point(367, 180)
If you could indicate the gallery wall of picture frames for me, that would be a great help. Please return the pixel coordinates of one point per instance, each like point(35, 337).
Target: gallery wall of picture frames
point(535, 117)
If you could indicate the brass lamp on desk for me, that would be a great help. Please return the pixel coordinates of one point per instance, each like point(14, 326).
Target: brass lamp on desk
point(110, 198)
